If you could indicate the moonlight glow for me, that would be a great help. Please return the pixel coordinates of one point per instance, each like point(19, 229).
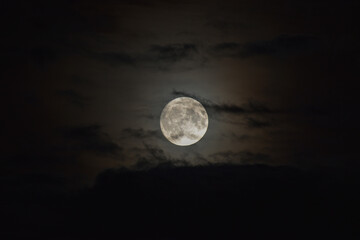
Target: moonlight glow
point(184, 121)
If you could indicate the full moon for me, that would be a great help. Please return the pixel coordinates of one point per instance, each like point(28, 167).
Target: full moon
point(184, 121)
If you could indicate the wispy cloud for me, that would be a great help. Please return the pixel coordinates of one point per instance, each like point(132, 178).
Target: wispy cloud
point(249, 107)
point(74, 97)
point(281, 46)
point(140, 133)
point(252, 112)
point(89, 138)
point(173, 52)
point(241, 157)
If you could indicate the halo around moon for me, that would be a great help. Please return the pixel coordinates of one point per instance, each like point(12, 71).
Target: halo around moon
point(184, 121)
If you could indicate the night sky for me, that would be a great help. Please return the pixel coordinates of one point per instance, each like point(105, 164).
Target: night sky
point(83, 84)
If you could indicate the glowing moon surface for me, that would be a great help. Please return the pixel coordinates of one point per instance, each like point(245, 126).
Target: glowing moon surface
point(184, 121)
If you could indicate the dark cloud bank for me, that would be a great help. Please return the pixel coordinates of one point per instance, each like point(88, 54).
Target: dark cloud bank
point(212, 202)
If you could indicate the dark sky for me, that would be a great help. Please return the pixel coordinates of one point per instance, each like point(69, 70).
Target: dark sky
point(84, 83)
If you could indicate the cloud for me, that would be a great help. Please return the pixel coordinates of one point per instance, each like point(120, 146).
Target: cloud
point(162, 57)
point(118, 58)
point(226, 46)
point(241, 157)
point(155, 157)
point(227, 27)
point(140, 133)
point(235, 137)
point(63, 145)
point(149, 155)
point(173, 52)
point(174, 56)
point(251, 111)
point(32, 184)
point(249, 107)
point(157, 153)
point(150, 116)
point(281, 46)
point(200, 202)
point(89, 138)
point(256, 123)
point(73, 97)
point(165, 56)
